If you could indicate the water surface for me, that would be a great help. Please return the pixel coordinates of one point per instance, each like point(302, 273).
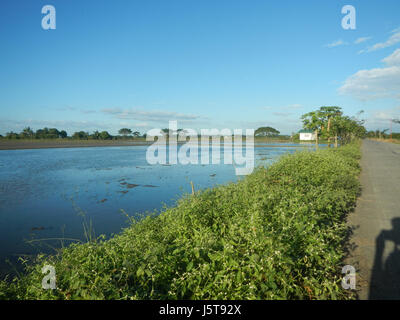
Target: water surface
point(44, 193)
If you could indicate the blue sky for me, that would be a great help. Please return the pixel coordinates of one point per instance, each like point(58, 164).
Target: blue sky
point(206, 64)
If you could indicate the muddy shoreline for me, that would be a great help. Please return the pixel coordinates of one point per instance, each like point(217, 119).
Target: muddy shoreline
point(18, 145)
point(39, 144)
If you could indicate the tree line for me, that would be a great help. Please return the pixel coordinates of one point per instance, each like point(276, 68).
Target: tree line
point(329, 123)
point(383, 134)
point(53, 133)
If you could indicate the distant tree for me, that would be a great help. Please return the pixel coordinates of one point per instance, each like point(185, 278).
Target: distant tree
point(63, 134)
point(329, 121)
point(41, 133)
point(12, 135)
point(125, 131)
point(53, 133)
point(326, 114)
point(295, 136)
point(47, 133)
point(266, 132)
point(313, 120)
point(383, 134)
point(167, 132)
point(95, 135)
point(347, 128)
point(104, 135)
point(377, 133)
point(80, 135)
point(27, 133)
point(136, 134)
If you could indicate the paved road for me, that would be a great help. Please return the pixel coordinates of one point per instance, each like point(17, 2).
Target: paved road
point(376, 220)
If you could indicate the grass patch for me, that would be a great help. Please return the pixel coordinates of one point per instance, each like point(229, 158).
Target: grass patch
point(277, 234)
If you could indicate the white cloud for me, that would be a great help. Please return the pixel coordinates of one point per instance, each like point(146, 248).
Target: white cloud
point(153, 116)
point(142, 125)
point(295, 106)
point(394, 38)
point(68, 108)
point(375, 83)
point(282, 114)
point(290, 106)
point(361, 40)
point(336, 43)
point(130, 124)
point(393, 59)
point(88, 111)
point(381, 118)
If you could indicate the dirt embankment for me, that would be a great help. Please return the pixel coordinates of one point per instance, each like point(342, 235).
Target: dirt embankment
point(42, 144)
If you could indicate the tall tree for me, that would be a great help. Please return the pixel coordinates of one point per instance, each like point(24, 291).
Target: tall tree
point(63, 134)
point(53, 133)
point(125, 131)
point(348, 128)
point(80, 135)
point(12, 135)
point(327, 113)
point(95, 135)
point(27, 133)
point(314, 121)
point(104, 135)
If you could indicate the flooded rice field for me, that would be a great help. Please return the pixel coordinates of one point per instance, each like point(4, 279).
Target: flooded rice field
point(47, 194)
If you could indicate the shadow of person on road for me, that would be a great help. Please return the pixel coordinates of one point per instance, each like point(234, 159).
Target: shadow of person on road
point(385, 277)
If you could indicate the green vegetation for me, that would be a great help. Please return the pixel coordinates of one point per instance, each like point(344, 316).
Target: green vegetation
point(269, 134)
point(125, 131)
point(383, 134)
point(276, 138)
point(276, 234)
point(44, 133)
point(266, 132)
point(53, 133)
point(329, 122)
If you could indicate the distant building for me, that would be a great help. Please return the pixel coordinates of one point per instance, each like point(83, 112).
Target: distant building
point(307, 135)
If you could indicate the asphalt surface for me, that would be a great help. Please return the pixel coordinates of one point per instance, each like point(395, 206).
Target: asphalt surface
point(375, 243)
